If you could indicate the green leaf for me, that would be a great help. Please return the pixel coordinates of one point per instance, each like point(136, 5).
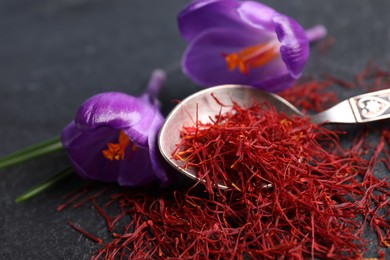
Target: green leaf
point(31, 152)
point(67, 172)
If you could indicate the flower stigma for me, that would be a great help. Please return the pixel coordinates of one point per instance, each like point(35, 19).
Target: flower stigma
point(252, 57)
point(116, 151)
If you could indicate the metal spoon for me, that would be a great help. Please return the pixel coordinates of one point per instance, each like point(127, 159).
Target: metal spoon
point(359, 109)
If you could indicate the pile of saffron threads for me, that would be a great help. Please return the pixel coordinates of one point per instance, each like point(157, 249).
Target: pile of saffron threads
point(295, 191)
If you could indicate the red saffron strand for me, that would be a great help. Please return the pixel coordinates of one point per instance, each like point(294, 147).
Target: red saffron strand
point(86, 234)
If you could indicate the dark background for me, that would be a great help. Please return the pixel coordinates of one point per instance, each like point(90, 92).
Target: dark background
point(55, 54)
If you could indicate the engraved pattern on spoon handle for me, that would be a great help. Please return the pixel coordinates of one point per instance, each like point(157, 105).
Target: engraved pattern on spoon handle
point(371, 106)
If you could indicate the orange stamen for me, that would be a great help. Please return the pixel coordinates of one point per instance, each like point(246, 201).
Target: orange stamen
point(251, 57)
point(116, 151)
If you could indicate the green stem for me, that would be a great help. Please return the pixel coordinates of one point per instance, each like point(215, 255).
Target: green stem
point(33, 151)
point(67, 172)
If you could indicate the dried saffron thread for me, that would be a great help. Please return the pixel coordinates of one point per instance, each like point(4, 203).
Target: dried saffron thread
point(86, 234)
point(213, 151)
point(71, 200)
point(90, 198)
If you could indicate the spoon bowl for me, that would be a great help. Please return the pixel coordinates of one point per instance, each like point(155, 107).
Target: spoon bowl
point(201, 105)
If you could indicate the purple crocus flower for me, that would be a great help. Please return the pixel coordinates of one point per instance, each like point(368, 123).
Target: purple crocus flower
point(243, 42)
point(113, 137)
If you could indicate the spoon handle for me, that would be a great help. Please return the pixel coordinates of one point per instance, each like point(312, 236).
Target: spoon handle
point(364, 108)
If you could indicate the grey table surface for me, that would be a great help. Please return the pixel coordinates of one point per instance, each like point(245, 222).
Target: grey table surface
point(55, 54)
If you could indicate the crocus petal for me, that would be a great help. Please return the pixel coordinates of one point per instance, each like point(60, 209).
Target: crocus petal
point(164, 175)
point(118, 111)
point(257, 15)
point(148, 161)
point(84, 151)
point(275, 83)
point(137, 170)
point(201, 15)
point(294, 44)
